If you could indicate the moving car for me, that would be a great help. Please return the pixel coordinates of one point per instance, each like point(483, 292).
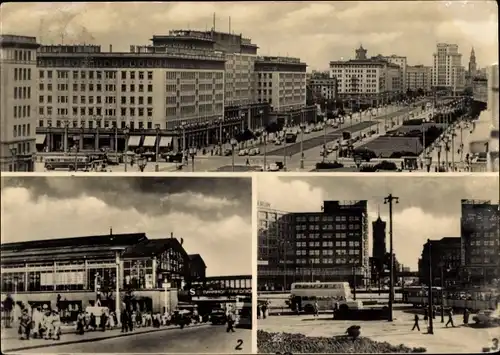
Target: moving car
point(218, 316)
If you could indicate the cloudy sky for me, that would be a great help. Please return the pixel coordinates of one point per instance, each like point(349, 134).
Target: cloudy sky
point(428, 207)
point(212, 215)
point(315, 31)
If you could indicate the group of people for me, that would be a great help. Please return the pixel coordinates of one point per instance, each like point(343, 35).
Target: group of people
point(42, 323)
point(449, 314)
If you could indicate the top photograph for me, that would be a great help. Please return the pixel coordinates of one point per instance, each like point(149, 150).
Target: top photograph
point(324, 86)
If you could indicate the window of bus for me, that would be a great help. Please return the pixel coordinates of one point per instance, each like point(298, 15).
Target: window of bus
point(13, 282)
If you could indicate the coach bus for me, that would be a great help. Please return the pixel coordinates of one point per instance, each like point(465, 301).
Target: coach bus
point(304, 295)
point(71, 163)
point(244, 311)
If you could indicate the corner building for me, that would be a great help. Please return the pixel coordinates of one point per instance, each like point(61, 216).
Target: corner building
point(92, 99)
point(18, 105)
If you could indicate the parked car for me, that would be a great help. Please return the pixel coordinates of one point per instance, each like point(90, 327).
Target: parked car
point(218, 316)
point(487, 317)
point(243, 152)
point(228, 152)
point(273, 167)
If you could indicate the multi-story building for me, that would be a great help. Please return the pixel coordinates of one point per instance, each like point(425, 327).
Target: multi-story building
point(402, 63)
point(370, 80)
point(444, 261)
point(419, 77)
point(322, 88)
point(332, 245)
point(18, 114)
point(447, 70)
point(276, 251)
point(480, 241)
point(472, 63)
point(92, 99)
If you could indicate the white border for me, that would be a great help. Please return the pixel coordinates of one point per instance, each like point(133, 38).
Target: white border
point(255, 232)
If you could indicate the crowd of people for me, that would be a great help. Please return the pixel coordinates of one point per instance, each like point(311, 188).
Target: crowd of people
point(42, 323)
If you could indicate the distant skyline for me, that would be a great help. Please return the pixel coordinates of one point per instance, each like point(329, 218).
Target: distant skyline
point(212, 215)
point(316, 31)
point(429, 207)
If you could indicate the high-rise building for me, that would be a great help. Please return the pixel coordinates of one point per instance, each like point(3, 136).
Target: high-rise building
point(419, 77)
point(379, 237)
point(445, 261)
point(18, 105)
point(447, 69)
point(472, 63)
point(480, 241)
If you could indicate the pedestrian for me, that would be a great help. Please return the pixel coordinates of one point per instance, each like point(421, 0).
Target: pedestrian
point(259, 311)
point(426, 314)
point(264, 310)
point(450, 318)
point(466, 316)
point(434, 311)
point(80, 323)
point(92, 322)
point(230, 322)
point(104, 321)
point(124, 321)
point(49, 325)
point(25, 325)
point(130, 320)
point(56, 325)
point(316, 309)
point(415, 324)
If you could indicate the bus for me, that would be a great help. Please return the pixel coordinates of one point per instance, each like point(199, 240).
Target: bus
point(290, 137)
point(67, 162)
point(244, 311)
point(305, 294)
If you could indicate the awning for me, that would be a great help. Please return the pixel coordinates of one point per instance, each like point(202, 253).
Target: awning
point(149, 141)
point(165, 141)
point(134, 141)
point(40, 138)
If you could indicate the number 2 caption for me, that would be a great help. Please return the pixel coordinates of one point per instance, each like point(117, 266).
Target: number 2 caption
point(239, 345)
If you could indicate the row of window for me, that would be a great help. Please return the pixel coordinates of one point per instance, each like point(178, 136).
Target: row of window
point(339, 261)
point(480, 260)
point(22, 111)
point(22, 93)
point(484, 242)
point(22, 55)
point(328, 218)
point(23, 130)
point(97, 111)
point(22, 74)
point(90, 124)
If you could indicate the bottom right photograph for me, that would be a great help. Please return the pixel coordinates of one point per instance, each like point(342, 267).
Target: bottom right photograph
point(378, 264)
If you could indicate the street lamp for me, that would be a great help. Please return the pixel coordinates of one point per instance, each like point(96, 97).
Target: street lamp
point(302, 128)
point(142, 161)
point(125, 134)
point(446, 150)
point(442, 269)
point(157, 148)
point(233, 142)
point(389, 200)
point(192, 154)
point(264, 135)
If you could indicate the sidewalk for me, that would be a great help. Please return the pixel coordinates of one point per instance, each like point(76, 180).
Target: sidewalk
point(69, 336)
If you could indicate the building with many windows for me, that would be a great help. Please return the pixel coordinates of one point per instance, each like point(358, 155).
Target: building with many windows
point(447, 69)
point(419, 77)
point(401, 62)
point(18, 114)
point(322, 88)
point(443, 259)
point(92, 99)
point(480, 241)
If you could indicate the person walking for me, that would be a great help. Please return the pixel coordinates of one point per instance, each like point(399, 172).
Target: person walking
point(450, 318)
point(316, 309)
point(415, 323)
point(230, 322)
point(466, 316)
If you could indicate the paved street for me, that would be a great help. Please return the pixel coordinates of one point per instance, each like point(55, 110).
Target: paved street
point(202, 339)
point(444, 340)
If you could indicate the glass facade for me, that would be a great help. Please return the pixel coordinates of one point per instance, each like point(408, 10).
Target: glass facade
point(138, 273)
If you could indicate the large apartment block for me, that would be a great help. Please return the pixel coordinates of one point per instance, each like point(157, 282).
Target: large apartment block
point(419, 77)
point(447, 69)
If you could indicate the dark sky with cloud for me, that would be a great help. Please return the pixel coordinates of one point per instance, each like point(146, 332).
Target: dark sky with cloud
point(316, 31)
point(212, 215)
point(429, 207)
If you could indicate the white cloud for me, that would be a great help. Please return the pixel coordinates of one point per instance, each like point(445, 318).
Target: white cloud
point(222, 242)
point(199, 201)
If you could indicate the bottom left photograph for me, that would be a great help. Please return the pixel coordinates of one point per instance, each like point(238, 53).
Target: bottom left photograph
point(126, 264)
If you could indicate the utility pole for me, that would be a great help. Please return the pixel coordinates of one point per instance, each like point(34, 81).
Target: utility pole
point(389, 200)
point(429, 293)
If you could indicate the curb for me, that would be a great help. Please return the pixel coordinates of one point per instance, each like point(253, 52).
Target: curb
point(79, 341)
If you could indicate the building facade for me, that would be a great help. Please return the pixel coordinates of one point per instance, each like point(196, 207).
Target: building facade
point(444, 261)
point(379, 248)
point(447, 69)
point(323, 88)
point(402, 63)
point(18, 105)
point(480, 241)
point(419, 77)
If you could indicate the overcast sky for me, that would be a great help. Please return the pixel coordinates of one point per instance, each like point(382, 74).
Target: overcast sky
point(212, 215)
point(428, 207)
point(315, 31)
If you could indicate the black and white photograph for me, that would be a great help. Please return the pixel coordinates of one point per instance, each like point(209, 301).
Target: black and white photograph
point(359, 86)
point(126, 265)
point(378, 264)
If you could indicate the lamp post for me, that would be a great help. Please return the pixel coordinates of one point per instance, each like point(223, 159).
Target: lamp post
point(446, 150)
point(183, 131)
point(324, 137)
point(389, 200)
point(233, 142)
point(302, 128)
point(429, 293)
point(264, 134)
point(439, 156)
point(192, 154)
point(453, 135)
point(125, 150)
point(98, 124)
point(65, 143)
point(115, 122)
point(157, 148)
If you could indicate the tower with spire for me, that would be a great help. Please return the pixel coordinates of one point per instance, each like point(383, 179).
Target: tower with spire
point(472, 63)
point(361, 53)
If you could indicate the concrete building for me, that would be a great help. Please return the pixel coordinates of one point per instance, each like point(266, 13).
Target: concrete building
point(480, 241)
point(276, 252)
point(419, 77)
point(447, 70)
point(323, 88)
point(371, 80)
point(444, 260)
point(18, 105)
point(402, 63)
